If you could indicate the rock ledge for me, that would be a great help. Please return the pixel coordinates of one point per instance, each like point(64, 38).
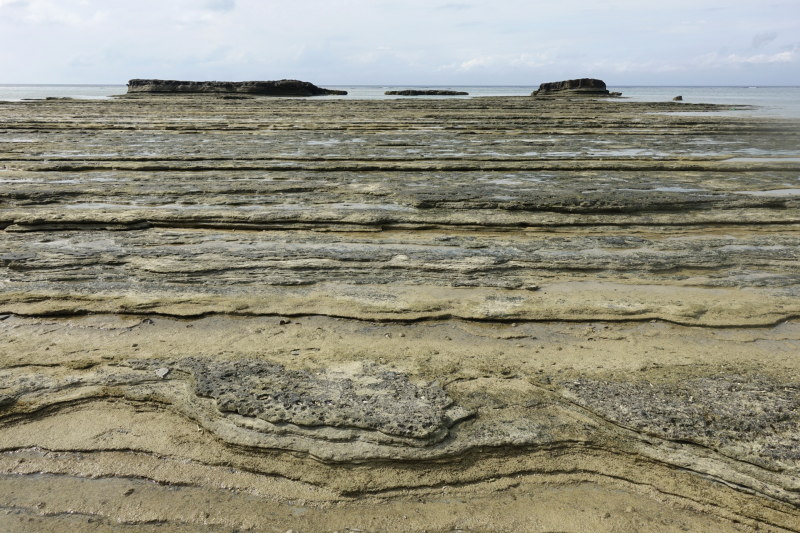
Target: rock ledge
point(264, 88)
point(582, 86)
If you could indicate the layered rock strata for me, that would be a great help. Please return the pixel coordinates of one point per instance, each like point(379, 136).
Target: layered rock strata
point(481, 314)
point(261, 88)
point(581, 86)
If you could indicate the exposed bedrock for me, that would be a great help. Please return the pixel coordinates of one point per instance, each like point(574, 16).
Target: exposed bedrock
point(581, 86)
point(740, 428)
point(262, 88)
point(488, 314)
point(352, 425)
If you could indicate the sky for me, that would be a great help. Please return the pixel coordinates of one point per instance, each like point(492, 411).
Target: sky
point(402, 42)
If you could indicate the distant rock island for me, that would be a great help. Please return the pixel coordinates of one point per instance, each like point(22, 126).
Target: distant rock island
point(263, 88)
point(426, 92)
point(582, 86)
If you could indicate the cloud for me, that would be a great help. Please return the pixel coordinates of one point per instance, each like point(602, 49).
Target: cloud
point(763, 39)
point(425, 41)
point(500, 61)
point(632, 67)
point(220, 5)
point(454, 6)
point(50, 12)
point(720, 60)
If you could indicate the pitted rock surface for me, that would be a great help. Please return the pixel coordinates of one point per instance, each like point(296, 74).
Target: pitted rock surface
point(755, 417)
point(360, 396)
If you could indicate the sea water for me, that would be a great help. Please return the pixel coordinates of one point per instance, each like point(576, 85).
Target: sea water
point(769, 101)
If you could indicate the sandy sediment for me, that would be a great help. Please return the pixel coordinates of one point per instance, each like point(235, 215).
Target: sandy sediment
point(500, 314)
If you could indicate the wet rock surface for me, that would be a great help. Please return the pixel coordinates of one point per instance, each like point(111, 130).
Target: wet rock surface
point(340, 309)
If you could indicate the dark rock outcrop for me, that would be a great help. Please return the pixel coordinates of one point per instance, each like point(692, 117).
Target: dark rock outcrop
point(426, 92)
point(263, 88)
point(582, 86)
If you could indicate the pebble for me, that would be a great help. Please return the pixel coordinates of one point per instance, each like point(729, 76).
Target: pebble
point(162, 372)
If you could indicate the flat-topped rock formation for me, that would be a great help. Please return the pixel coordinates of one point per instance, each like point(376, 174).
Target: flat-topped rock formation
point(486, 314)
point(582, 86)
point(426, 92)
point(261, 88)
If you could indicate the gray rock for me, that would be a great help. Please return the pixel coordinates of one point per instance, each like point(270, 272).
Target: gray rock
point(264, 88)
point(426, 92)
point(365, 397)
point(582, 86)
point(754, 417)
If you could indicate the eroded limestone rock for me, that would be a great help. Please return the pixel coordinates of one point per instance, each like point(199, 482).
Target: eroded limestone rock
point(753, 417)
point(263, 88)
point(357, 396)
point(582, 86)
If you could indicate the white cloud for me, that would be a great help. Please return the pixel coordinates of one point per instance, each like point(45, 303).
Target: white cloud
point(221, 5)
point(500, 61)
point(51, 12)
point(722, 60)
point(414, 41)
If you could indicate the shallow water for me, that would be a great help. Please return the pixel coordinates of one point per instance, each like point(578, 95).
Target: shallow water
point(769, 101)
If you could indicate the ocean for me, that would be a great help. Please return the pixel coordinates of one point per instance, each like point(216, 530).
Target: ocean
point(769, 101)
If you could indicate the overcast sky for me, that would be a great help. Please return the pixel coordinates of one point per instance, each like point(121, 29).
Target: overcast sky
point(403, 42)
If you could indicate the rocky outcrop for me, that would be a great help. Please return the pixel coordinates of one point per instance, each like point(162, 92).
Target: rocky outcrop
point(582, 86)
point(263, 88)
point(426, 92)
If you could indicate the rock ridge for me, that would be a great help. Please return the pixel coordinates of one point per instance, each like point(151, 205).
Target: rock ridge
point(580, 86)
point(263, 88)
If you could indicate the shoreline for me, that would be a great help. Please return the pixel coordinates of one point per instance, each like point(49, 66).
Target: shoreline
point(767, 100)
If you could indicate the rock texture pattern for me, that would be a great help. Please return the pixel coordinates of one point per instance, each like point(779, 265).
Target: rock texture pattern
point(262, 88)
point(582, 86)
point(503, 314)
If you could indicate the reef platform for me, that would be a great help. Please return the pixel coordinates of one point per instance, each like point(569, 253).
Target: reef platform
point(486, 314)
